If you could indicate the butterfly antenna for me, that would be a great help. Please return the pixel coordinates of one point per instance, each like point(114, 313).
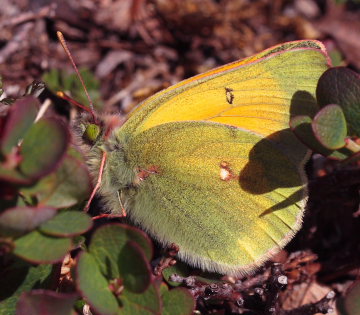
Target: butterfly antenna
point(67, 50)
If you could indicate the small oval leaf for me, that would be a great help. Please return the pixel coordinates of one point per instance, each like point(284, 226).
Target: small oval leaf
point(67, 223)
point(20, 118)
point(329, 126)
point(107, 244)
point(69, 185)
point(43, 147)
point(93, 286)
point(45, 302)
point(134, 268)
point(19, 220)
point(301, 126)
point(38, 248)
point(178, 301)
point(13, 176)
point(341, 86)
point(146, 303)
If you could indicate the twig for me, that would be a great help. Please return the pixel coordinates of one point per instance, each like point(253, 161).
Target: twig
point(259, 297)
point(321, 306)
point(17, 42)
point(47, 11)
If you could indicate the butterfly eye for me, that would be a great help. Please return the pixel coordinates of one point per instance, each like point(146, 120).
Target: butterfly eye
point(91, 133)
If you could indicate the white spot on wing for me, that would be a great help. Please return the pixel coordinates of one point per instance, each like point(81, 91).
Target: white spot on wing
point(225, 173)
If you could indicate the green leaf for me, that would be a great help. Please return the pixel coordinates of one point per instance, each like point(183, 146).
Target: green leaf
point(146, 303)
point(36, 247)
point(43, 148)
point(67, 223)
point(134, 268)
point(178, 301)
point(94, 287)
point(19, 220)
point(302, 128)
point(46, 302)
point(69, 185)
point(107, 245)
point(20, 118)
point(17, 278)
point(350, 303)
point(329, 127)
point(342, 86)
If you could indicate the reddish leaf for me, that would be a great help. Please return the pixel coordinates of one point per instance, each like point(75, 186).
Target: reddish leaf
point(177, 301)
point(44, 147)
point(107, 245)
point(93, 286)
point(45, 302)
point(19, 220)
point(329, 127)
point(134, 268)
point(67, 186)
point(342, 86)
point(67, 223)
point(20, 118)
point(13, 176)
point(302, 128)
point(36, 247)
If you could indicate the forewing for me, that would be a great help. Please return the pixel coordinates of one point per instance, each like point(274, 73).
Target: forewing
point(258, 93)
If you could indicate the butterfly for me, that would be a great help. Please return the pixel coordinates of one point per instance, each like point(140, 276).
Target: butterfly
point(210, 163)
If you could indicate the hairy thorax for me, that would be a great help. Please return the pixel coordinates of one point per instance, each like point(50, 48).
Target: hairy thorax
point(118, 175)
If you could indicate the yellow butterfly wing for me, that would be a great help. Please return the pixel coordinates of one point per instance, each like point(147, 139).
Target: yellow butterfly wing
point(255, 93)
point(210, 163)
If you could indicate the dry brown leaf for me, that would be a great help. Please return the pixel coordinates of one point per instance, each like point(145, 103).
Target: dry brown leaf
point(305, 293)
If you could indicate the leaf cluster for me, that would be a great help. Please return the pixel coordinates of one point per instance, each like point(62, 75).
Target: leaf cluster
point(334, 130)
point(53, 260)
